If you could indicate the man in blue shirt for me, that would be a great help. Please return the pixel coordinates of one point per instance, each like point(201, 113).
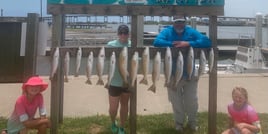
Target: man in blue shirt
point(183, 96)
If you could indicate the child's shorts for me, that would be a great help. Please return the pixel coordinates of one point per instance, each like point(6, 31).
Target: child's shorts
point(117, 91)
point(236, 131)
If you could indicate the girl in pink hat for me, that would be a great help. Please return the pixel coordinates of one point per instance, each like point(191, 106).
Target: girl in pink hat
point(22, 118)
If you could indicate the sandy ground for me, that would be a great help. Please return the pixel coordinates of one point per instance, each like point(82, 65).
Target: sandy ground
point(81, 99)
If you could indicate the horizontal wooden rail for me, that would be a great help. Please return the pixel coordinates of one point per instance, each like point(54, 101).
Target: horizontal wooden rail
point(110, 10)
point(131, 50)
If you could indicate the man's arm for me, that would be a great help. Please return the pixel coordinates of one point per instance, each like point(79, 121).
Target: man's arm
point(163, 39)
point(201, 41)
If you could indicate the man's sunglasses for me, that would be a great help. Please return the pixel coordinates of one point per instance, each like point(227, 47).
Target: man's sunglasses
point(125, 33)
point(179, 22)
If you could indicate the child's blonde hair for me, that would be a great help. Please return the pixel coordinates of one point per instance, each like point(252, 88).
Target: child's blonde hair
point(242, 90)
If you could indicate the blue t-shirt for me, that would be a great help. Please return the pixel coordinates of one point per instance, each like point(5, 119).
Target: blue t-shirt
point(117, 79)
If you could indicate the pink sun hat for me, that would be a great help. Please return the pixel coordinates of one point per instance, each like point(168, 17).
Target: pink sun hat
point(35, 81)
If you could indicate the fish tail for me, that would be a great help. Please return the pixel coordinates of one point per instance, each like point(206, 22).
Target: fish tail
point(189, 78)
point(144, 81)
point(152, 88)
point(167, 84)
point(66, 79)
point(89, 82)
point(100, 82)
point(107, 86)
point(175, 85)
point(76, 75)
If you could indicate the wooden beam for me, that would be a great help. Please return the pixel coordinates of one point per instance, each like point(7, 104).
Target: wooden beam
point(135, 32)
point(212, 108)
point(31, 46)
point(61, 76)
point(57, 85)
point(129, 10)
point(108, 51)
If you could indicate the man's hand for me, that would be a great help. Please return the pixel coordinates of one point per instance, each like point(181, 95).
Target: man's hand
point(181, 44)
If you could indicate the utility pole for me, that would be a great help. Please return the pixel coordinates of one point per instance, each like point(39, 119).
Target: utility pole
point(41, 6)
point(2, 12)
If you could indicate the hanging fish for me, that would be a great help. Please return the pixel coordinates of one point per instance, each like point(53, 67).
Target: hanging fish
point(134, 68)
point(111, 70)
point(202, 63)
point(179, 69)
point(145, 65)
point(211, 59)
point(66, 66)
point(156, 71)
point(78, 61)
point(54, 64)
point(100, 66)
point(190, 63)
point(89, 67)
point(123, 61)
point(168, 66)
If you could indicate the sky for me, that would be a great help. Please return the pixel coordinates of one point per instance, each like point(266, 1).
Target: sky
point(232, 8)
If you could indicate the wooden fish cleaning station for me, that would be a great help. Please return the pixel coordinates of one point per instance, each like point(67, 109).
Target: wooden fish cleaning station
point(136, 12)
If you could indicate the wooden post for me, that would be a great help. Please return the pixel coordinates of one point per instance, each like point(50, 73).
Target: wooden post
point(212, 108)
point(31, 46)
point(193, 22)
point(61, 71)
point(136, 39)
point(139, 26)
point(56, 82)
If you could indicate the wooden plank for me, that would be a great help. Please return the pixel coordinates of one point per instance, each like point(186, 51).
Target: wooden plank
point(225, 42)
point(129, 10)
point(136, 20)
point(57, 80)
point(31, 46)
point(108, 51)
point(61, 71)
point(212, 108)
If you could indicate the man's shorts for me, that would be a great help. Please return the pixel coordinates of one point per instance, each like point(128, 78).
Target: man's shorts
point(117, 91)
